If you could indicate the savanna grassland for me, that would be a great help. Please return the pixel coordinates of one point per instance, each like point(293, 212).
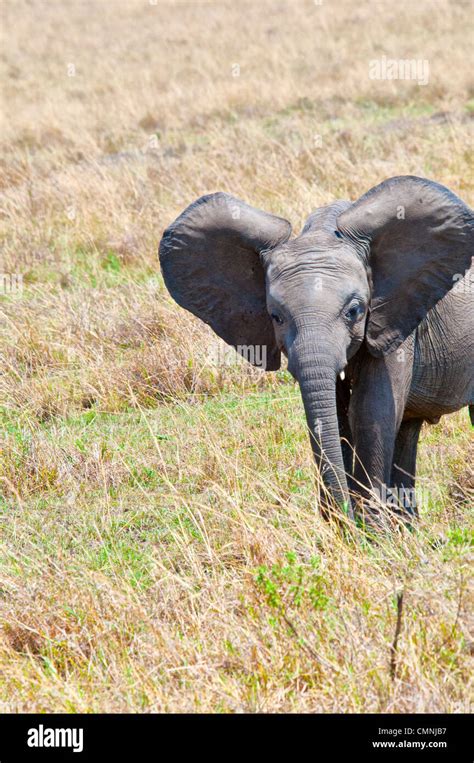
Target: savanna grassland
point(161, 547)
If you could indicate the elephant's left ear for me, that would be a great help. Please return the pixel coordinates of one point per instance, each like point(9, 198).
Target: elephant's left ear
point(419, 238)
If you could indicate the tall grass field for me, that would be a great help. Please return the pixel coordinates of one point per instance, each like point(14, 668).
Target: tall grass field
point(161, 546)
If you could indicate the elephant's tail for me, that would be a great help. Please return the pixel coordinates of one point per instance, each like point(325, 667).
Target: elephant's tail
point(471, 414)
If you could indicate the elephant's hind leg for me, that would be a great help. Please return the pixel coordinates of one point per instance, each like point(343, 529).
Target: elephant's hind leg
point(404, 465)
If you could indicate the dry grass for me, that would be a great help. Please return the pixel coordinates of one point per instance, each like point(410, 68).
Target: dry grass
point(161, 547)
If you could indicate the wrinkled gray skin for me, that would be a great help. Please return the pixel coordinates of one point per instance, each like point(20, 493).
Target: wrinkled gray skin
point(381, 289)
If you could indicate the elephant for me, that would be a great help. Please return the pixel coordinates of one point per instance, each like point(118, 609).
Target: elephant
point(371, 304)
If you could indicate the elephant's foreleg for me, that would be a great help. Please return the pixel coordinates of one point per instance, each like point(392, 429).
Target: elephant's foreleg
point(343, 396)
point(376, 411)
point(404, 465)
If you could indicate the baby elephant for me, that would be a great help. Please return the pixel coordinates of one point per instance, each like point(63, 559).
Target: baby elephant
point(381, 289)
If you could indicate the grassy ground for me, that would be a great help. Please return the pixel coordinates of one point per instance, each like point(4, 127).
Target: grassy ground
point(161, 547)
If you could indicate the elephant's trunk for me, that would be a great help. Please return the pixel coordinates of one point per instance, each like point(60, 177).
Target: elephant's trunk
point(316, 374)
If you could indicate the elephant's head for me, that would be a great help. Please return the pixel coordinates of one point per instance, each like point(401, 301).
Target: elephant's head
point(363, 272)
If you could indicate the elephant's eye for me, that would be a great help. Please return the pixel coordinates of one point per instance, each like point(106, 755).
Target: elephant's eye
point(277, 318)
point(355, 312)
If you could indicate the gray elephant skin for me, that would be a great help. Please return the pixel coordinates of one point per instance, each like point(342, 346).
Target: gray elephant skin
point(381, 289)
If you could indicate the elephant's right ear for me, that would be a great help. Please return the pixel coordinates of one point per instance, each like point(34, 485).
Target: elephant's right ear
point(210, 260)
point(419, 239)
